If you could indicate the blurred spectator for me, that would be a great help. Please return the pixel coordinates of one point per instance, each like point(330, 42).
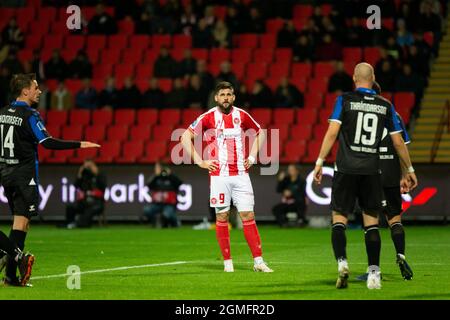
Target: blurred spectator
point(45, 98)
point(209, 16)
point(154, 96)
point(109, 96)
point(12, 63)
point(303, 50)
point(196, 95)
point(287, 95)
point(164, 187)
point(386, 77)
point(392, 48)
point(423, 47)
point(404, 37)
point(62, 99)
point(328, 27)
point(188, 65)
point(221, 34)
point(233, 20)
point(409, 16)
point(188, 20)
point(202, 36)
point(5, 77)
point(256, 23)
point(90, 184)
point(312, 31)
point(418, 62)
point(129, 95)
point(102, 22)
point(206, 78)
point(355, 34)
point(329, 49)
point(177, 97)
point(429, 20)
point(287, 35)
point(261, 95)
point(243, 98)
point(317, 16)
point(409, 81)
point(145, 24)
point(86, 98)
point(80, 67)
point(56, 67)
point(4, 50)
point(12, 34)
point(37, 66)
point(292, 186)
point(226, 74)
point(165, 65)
point(340, 81)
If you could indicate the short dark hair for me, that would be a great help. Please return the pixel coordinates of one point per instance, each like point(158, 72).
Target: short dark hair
point(223, 85)
point(21, 81)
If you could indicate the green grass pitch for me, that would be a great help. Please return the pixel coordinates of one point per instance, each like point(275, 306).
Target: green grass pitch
point(302, 259)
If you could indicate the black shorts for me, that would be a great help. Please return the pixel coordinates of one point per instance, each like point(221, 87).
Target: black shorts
point(23, 200)
point(347, 188)
point(392, 202)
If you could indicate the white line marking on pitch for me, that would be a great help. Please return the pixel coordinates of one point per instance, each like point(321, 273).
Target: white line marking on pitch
point(62, 275)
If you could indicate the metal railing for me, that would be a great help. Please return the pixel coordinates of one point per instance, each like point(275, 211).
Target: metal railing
point(444, 122)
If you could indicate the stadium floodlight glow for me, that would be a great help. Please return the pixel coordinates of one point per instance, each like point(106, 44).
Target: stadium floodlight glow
point(316, 198)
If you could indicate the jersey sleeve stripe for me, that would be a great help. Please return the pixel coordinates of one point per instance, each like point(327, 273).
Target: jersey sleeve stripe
point(335, 120)
point(337, 110)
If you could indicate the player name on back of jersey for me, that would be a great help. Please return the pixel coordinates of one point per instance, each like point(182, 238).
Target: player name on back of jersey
point(368, 107)
point(6, 119)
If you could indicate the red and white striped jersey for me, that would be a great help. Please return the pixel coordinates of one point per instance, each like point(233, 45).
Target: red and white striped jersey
point(225, 135)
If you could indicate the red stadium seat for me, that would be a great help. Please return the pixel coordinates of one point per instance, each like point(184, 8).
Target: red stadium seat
point(182, 41)
point(44, 154)
point(33, 41)
point(112, 56)
point(140, 132)
point(54, 130)
point(161, 40)
point(299, 83)
point(80, 117)
point(162, 132)
point(274, 25)
point(218, 55)
point(61, 156)
point(387, 95)
point(131, 151)
point(82, 154)
point(53, 41)
point(102, 71)
point(262, 115)
point(283, 132)
point(302, 11)
point(95, 133)
point(404, 100)
point(102, 117)
point(96, 42)
point(319, 131)
point(318, 85)
point(263, 55)
point(165, 84)
point(177, 54)
point(126, 27)
point(147, 116)
point(74, 42)
point(371, 55)
point(153, 152)
point(46, 14)
point(330, 100)
point(352, 54)
point(73, 85)
point(132, 56)
point(125, 117)
point(306, 116)
point(247, 40)
point(189, 115)
point(279, 69)
point(108, 152)
point(58, 118)
point(301, 132)
point(73, 132)
point(283, 116)
point(428, 37)
point(139, 42)
point(257, 70)
point(323, 69)
point(117, 133)
point(313, 100)
point(324, 115)
point(272, 83)
point(93, 55)
point(313, 150)
point(25, 55)
point(293, 151)
point(124, 70)
point(68, 54)
point(283, 54)
point(169, 116)
point(220, 12)
point(268, 40)
point(238, 69)
point(200, 54)
point(144, 71)
point(301, 70)
point(117, 41)
point(241, 55)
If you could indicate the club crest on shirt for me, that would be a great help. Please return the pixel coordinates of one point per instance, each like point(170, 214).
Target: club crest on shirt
point(194, 123)
point(213, 200)
point(236, 121)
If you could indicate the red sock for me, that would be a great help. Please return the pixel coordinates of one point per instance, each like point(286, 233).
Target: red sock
point(252, 236)
point(223, 237)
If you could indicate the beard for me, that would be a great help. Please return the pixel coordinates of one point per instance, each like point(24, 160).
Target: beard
point(225, 107)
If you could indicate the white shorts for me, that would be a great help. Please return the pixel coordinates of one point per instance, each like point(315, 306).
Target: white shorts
point(237, 188)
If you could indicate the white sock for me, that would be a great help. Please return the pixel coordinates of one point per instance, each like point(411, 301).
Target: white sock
point(374, 268)
point(258, 260)
point(228, 262)
point(342, 263)
point(401, 256)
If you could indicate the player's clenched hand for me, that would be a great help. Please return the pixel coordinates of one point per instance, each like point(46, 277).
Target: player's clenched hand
point(318, 174)
point(87, 144)
point(209, 164)
point(412, 179)
point(247, 164)
point(404, 185)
